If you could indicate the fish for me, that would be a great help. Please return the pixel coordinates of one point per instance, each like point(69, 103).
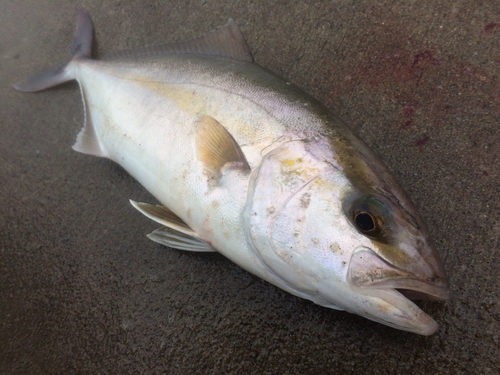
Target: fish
point(246, 164)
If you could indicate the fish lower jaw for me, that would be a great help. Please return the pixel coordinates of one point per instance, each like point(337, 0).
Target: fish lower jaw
point(390, 307)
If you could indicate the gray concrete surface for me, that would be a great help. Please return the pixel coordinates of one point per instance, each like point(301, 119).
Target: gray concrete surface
point(82, 290)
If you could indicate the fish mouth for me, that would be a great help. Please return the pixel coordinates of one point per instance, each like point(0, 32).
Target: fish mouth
point(389, 291)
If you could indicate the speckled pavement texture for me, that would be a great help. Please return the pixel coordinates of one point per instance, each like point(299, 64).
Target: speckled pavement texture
point(83, 291)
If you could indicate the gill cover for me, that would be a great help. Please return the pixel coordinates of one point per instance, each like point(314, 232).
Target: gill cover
point(291, 194)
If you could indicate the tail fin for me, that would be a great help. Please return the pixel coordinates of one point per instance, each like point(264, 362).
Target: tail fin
point(82, 45)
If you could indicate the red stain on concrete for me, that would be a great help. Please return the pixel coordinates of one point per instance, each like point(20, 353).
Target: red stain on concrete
point(422, 142)
point(406, 124)
point(490, 26)
point(427, 86)
point(425, 56)
point(408, 110)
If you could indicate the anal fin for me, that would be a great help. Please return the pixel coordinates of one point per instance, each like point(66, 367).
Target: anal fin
point(87, 141)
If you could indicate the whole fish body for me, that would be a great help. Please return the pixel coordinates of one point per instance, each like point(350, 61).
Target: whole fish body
point(246, 164)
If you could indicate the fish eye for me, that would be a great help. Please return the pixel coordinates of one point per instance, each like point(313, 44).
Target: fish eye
point(368, 215)
point(365, 221)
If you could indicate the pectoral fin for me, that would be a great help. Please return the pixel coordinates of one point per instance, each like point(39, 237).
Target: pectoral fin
point(178, 240)
point(164, 216)
point(217, 148)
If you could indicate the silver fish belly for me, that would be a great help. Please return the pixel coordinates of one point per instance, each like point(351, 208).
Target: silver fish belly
point(248, 165)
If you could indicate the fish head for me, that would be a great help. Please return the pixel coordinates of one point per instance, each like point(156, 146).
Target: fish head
point(324, 236)
point(400, 262)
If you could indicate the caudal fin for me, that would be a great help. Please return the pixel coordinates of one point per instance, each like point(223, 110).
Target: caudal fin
point(82, 45)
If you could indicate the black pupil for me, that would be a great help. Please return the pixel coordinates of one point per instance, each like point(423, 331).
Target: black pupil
point(365, 222)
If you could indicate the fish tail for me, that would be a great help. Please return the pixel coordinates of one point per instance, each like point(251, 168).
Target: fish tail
point(82, 46)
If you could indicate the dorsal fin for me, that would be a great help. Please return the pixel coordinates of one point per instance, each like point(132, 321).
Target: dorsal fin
point(164, 216)
point(224, 41)
point(216, 147)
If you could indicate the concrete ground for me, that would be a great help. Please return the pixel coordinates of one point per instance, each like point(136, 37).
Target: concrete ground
point(82, 290)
